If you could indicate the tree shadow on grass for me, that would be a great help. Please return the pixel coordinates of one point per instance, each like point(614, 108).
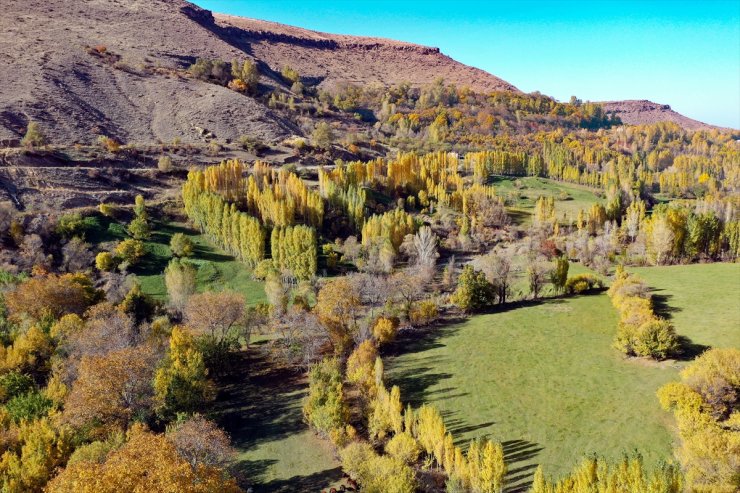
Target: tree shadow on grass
point(259, 403)
point(518, 455)
point(689, 349)
point(661, 304)
point(308, 484)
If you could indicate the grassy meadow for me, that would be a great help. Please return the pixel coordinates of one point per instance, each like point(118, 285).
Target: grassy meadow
point(522, 193)
point(217, 270)
point(543, 379)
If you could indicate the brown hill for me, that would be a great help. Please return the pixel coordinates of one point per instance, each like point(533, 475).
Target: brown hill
point(328, 59)
point(642, 112)
point(84, 68)
point(130, 91)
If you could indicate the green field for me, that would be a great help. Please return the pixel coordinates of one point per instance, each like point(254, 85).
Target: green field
point(544, 380)
point(522, 194)
point(702, 300)
point(217, 270)
point(260, 406)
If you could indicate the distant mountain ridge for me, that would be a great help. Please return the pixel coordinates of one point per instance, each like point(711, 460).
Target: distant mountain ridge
point(135, 88)
point(641, 112)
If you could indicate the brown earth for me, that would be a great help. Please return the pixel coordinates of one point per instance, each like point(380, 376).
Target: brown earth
point(328, 59)
point(137, 90)
point(643, 112)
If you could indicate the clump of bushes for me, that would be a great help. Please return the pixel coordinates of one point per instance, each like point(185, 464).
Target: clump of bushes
point(640, 331)
point(582, 283)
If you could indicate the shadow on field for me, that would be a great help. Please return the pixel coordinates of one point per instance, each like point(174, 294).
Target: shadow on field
point(309, 484)
point(661, 305)
point(518, 455)
point(259, 403)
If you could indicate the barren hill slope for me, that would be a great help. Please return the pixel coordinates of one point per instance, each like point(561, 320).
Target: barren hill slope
point(328, 59)
point(84, 68)
point(50, 74)
point(642, 112)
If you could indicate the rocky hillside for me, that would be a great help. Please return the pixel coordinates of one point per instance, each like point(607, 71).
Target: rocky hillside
point(328, 59)
point(84, 68)
point(642, 112)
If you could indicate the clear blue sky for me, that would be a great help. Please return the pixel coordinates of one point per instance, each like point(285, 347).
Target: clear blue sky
point(682, 53)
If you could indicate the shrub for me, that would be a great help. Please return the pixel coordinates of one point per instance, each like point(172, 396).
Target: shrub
point(582, 283)
point(322, 136)
point(473, 290)
point(130, 251)
point(34, 137)
point(656, 339)
point(164, 164)
point(385, 330)
point(211, 70)
point(109, 144)
point(377, 474)
point(139, 228)
point(403, 447)
point(29, 406)
point(13, 384)
point(106, 209)
point(290, 74)
point(71, 225)
point(104, 261)
point(424, 312)
point(181, 245)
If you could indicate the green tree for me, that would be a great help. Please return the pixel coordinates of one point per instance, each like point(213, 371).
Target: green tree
point(559, 274)
point(322, 136)
point(181, 245)
point(473, 291)
point(179, 277)
point(181, 382)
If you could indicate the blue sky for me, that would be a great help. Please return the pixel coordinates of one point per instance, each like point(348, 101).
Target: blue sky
point(686, 54)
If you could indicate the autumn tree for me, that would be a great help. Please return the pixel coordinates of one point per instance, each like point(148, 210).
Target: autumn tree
point(51, 295)
point(559, 275)
point(111, 389)
point(705, 404)
point(181, 245)
point(325, 408)
point(473, 291)
point(179, 277)
point(201, 442)
point(181, 382)
point(338, 308)
point(146, 462)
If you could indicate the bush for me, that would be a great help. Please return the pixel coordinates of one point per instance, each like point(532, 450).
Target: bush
point(106, 209)
point(29, 406)
point(130, 251)
point(656, 339)
point(385, 330)
point(13, 384)
point(290, 74)
point(582, 283)
point(109, 144)
point(104, 261)
point(424, 312)
point(34, 137)
point(211, 70)
point(181, 245)
point(322, 136)
point(403, 447)
point(377, 474)
point(473, 290)
point(71, 225)
point(139, 228)
point(164, 164)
